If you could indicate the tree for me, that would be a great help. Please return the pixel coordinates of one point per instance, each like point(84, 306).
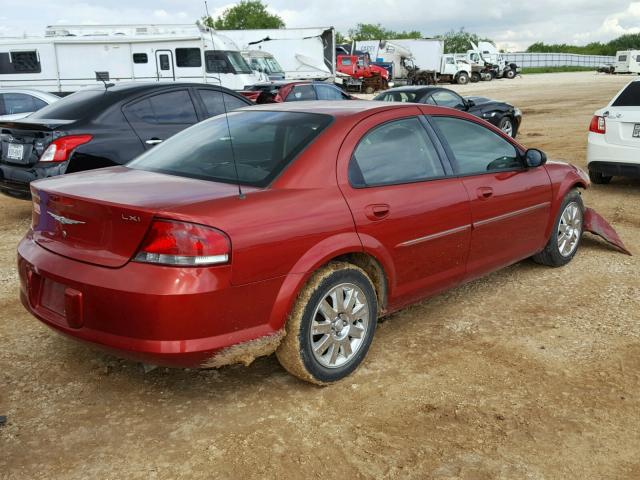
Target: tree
point(246, 15)
point(460, 41)
point(630, 41)
point(340, 38)
point(369, 31)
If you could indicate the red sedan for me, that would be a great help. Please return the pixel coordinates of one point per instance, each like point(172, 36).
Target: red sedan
point(292, 229)
point(299, 91)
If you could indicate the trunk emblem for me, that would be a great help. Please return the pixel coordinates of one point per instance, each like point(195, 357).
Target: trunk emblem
point(65, 220)
point(130, 218)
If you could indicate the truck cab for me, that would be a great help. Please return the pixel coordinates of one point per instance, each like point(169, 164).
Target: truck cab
point(264, 64)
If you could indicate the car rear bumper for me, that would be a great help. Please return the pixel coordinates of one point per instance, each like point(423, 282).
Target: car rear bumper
point(177, 317)
point(15, 179)
point(610, 159)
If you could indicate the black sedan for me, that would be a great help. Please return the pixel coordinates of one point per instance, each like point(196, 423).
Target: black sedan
point(503, 115)
point(101, 127)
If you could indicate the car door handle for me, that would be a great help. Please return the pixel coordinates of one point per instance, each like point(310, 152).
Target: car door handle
point(377, 211)
point(153, 141)
point(484, 192)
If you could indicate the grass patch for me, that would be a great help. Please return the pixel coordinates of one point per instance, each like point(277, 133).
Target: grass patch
point(557, 69)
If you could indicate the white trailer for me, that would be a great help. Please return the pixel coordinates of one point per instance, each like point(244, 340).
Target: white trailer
point(303, 53)
point(627, 61)
point(70, 57)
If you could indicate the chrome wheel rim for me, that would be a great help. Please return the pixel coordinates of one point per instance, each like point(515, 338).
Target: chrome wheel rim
point(339, 325)
point(507, 127)
point(569, 229)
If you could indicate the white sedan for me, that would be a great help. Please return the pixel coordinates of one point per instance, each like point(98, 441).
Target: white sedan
point(614, 137)
point(17, 103)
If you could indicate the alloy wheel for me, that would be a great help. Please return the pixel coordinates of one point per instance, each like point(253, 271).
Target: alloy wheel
point(569, 229)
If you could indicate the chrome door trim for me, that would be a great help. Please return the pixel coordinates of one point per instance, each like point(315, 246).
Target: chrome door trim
point(434, 236)
point(515, 213)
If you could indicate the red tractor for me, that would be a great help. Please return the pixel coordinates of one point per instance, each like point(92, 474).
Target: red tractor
point(364, 77)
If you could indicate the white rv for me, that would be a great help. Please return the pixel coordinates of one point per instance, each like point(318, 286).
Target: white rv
point(304, 53)
point(627, 61)
point(70, 57)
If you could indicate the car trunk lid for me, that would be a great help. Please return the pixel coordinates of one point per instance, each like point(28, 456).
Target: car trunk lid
point(22, 142)
point(101, 217)
point(623, 126)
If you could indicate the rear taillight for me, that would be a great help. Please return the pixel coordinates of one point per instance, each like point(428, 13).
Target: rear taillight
point(598, 125)
point(60, 149)
point(185, 244)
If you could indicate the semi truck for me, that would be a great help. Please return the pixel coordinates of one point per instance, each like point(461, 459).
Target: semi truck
point(418, 62)
point(71, 57)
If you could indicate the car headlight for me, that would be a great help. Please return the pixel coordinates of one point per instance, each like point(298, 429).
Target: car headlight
point(517, 112)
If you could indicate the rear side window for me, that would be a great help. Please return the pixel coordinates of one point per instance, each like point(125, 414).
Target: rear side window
point(164, 108)
point(264, 143)
point(630, 96)
point(397, 97)
point(216, 102)
point(393, 153)
point(19, 103)
point(19, 62)
point(188, 57)
point(477, 149)
point(300, 93)
point(447, 99)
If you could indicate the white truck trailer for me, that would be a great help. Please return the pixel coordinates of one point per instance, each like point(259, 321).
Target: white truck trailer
point(70, 57)
point(303, 53)
point(418, 61)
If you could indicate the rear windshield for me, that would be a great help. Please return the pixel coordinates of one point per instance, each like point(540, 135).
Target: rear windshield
point(262, 145)
point(263, 88)
point(630, 96)
point(72, 107)
point(397, 97)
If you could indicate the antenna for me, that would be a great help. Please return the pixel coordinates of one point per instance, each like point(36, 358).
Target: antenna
point(226, 113)
point(101, 76)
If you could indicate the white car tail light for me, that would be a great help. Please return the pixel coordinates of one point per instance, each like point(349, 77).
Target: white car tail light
point(598, 125)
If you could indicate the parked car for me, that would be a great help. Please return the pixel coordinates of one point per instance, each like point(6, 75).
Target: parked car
point(17, 103)
point(288, 91)
point(99, 127)
point(503, 115)
point(346, 212)
point(613, 146)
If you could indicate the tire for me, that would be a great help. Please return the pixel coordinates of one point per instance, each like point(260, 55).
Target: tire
point(510, 74)
point(475, 77)
point(369, 90)
point(553, 255)
point(598, 178)
point(507, 126)
point(462, 78)
point(352, 327)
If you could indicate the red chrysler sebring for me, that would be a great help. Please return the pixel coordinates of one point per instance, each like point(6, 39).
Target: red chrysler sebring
point(289, 228)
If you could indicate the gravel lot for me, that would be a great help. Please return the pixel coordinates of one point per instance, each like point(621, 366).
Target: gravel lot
point(530, 373)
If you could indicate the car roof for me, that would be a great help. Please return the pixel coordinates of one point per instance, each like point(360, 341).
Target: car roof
point(126, 88)
point(335, 108)
point(415, 88)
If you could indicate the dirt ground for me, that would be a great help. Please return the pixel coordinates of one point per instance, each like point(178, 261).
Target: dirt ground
point(531, 373)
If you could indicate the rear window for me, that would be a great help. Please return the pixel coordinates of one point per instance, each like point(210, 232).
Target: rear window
point(397, 97)
point(264, 143)
point(630, 96)
point(73, 107)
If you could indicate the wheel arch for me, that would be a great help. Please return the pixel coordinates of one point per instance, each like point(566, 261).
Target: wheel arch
point(560, 190)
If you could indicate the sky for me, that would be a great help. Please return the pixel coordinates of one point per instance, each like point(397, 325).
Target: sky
point(513, 25)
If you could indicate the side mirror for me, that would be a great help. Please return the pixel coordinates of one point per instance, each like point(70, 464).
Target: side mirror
point(535, 158)
point(470, 103)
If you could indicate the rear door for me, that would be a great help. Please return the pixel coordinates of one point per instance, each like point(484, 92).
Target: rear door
point(164, 65)
point(215, 102)
point(405, 204)
point(510, 204)
point(623, 118)
point(157, 117)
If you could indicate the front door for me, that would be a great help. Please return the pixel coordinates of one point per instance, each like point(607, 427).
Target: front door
point(164, 65)
point(510, 204)
point(406, 207)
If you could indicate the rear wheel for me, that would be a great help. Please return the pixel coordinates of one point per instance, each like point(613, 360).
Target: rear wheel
point(598, 178)
point(566, 234)
point(331, 325)
point(463, 78)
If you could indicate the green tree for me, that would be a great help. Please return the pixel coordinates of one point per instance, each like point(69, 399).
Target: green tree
point(369, 31)
point(246, 15)
point(340, 38)
point(629, 41)
point(460, 41)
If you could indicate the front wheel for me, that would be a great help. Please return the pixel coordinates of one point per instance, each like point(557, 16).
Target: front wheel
point(506, 125)
point(510, 74)
point(475, 77)
point(331, 325)
point(463, 78)
point(566, 234)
